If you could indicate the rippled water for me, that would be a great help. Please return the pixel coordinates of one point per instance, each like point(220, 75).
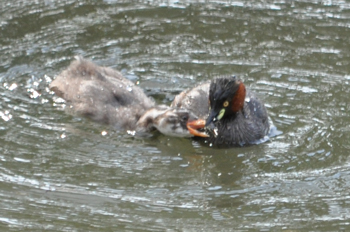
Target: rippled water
point(59, 173)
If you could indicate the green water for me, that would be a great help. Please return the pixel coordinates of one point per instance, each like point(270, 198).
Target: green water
point(59, 173)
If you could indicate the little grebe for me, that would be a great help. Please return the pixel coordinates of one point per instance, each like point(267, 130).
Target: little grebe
point(104, 95)
point(235, 116)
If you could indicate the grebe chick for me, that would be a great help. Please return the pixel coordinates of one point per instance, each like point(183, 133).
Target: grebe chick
point(167, 120)
point(104, 95)
point(195, 99)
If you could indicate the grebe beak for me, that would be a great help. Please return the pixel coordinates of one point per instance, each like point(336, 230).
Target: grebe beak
point(215, 116)
point(192, 127)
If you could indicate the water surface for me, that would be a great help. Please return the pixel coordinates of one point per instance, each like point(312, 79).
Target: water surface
point(59, 173)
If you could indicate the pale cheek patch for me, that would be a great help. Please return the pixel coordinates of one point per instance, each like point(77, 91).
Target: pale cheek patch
point(221, 114)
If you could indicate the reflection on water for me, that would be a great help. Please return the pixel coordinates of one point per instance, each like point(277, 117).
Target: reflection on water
point(64, 173)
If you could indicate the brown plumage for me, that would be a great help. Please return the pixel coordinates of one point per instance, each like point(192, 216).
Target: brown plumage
point(105, 96)
point(101, 94)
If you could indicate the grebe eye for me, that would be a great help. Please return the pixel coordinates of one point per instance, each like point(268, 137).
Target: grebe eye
point(184, 117)
point(226, 103)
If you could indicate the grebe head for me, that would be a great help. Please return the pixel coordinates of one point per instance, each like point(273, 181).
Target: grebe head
point(226, 98)
point(168, 121)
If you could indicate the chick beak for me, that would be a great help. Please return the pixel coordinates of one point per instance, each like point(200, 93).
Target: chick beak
point(192, 127)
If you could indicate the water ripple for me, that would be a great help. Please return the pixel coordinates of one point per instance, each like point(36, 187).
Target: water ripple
point(63, 172)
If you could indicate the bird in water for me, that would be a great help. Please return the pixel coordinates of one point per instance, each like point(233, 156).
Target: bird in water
point(104, 95)
point(234, 115)
point(221, 111)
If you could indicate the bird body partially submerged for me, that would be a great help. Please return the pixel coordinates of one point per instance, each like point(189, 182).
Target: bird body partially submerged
point(235, 115)
point(105, 96)
point(222, 111)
